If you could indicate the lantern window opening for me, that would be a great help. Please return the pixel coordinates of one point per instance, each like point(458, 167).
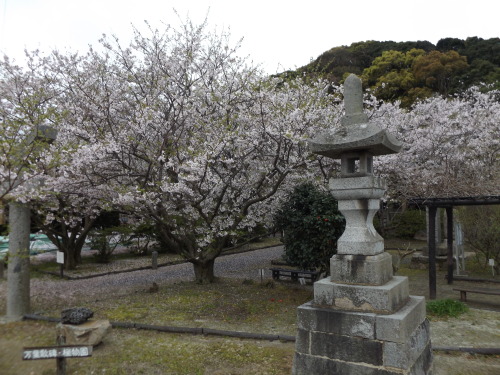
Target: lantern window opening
point(356, 164)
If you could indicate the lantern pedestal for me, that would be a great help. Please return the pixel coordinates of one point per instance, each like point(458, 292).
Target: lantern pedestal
point(362, 319)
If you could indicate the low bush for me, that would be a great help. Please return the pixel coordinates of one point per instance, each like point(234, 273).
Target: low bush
point(446, 308)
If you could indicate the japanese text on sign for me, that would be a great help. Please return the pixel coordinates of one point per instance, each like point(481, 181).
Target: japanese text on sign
point(57, 352)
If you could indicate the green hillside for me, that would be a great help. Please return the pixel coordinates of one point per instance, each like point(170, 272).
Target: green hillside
point(408, 71)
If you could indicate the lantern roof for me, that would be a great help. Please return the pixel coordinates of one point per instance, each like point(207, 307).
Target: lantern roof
point(356, 133)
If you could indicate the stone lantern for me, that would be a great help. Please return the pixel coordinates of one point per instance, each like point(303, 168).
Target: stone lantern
point(362, 318)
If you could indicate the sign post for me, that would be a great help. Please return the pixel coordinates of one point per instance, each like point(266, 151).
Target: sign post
point(60, 260)
point(491, 263)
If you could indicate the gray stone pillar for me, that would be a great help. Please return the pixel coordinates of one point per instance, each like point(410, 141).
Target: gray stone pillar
point(18, 276)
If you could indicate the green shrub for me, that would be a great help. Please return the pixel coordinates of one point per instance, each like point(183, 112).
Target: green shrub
point(311, 224)
point(406, 224)
point(446, 308)
point(106, 240)
point(140, 236)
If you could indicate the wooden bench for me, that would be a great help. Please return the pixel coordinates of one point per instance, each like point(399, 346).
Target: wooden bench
point(463, 292)
point(294, 274)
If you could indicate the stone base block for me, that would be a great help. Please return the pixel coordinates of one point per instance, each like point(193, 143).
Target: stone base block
point(89, 333)
point(361, 269)
point(396, 327)
point(382, 299)
point(305, 364)
point(338, 342)
point(399, 326)
point(318, 319)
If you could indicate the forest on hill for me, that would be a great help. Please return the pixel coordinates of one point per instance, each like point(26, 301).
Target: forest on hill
point(408, 71)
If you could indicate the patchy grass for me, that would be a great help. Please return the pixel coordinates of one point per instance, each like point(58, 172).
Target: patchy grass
point(136, 352)
point(14, 336)
point(146, 352)
point(228, 304)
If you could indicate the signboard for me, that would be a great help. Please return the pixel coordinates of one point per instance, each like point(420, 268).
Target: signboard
point(50, 352)
point(60, 257)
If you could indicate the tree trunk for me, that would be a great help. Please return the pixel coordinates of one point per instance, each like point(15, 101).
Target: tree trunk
point(72, 255)
point(204, 271)
point(71, 258)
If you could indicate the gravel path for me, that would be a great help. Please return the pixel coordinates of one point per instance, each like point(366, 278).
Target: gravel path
point(242, 265)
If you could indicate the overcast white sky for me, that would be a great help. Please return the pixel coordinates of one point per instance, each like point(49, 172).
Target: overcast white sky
point(279, 34)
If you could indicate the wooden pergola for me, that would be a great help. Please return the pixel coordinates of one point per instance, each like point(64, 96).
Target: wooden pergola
point(447, 203)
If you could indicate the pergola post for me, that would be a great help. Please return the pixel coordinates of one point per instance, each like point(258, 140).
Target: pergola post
point(449, 235)
point(432, 251)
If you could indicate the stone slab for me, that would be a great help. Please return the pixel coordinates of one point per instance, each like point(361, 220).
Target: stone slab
point(346, 348)
point(361, 269)
point(404, 355)
point(349, 245)
point(424, 364)
point(382, 299)
point(89, 333)
point(303, 341)
point(355, 324)
point(399, 326)
point(306, 364)
point(353, 183)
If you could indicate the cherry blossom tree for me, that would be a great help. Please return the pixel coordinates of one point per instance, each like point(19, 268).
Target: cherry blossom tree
point(451, 146)
point(178, 127)
point(34, 166)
